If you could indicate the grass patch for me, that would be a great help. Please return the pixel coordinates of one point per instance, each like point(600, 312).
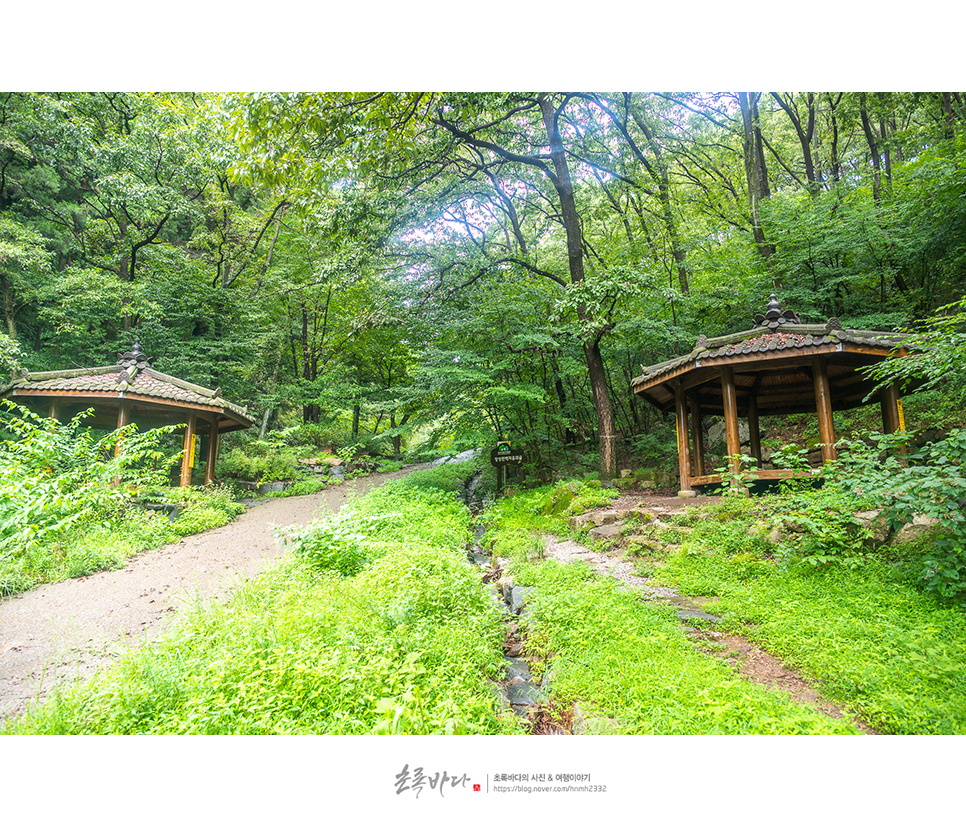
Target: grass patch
point(516, 525)
point(633, 664)
point(403, 642)
point(860, 628)
point(854, 620)
point(106, 538)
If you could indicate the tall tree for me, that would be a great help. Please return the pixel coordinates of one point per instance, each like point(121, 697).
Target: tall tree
point(478, 140)
point(756, 170)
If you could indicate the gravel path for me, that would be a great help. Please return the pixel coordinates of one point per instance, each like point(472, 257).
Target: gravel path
point(66, 630)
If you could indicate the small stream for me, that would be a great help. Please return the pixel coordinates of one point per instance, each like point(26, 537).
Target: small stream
point(518, 691)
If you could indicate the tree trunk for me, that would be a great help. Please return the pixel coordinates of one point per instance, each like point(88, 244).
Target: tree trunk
point(575, 257)
point(806, 135)
point(9, 308)
point(834, 158)
point(870, 137)
point(756, 171)
point(605, 417)
point(569, 437)
point(397, 438)
point(662, 176)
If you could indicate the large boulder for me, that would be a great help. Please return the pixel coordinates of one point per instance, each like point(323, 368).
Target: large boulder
point(717, 434)
point(920, 526)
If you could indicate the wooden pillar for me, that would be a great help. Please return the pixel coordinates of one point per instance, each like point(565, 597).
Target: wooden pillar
point(212, 452)
point(892, 420)
point(890, 410)
point(52, 413)
point(684, 451)
point(823, 405)
point(123, 418)
point(697, 435)
point(732, 437)
point(754, 433)
point(189, 431)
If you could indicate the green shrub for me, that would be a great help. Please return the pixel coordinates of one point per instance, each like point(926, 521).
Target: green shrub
point(62, 488)
point(929, 482)
point(260, 462)
point(821, 528)
point(309, 486)
point(199, 517)
point(653, 449)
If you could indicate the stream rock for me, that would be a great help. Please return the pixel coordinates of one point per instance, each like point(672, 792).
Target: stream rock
point(521, 689)
point(518, 598)
point(696, 614)
point(524, 694)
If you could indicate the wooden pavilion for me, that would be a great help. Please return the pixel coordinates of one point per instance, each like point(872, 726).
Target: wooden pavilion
point(781, 366)
point(131, 391)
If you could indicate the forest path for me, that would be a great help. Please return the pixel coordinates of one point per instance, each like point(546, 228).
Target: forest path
point(65, 631)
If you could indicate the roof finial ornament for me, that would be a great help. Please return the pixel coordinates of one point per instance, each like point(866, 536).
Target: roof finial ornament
point(134, 357)
point(774, 317)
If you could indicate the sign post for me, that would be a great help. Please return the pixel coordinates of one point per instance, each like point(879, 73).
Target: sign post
point(503, 455)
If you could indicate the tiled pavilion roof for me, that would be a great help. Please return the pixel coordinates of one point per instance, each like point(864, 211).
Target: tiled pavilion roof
point(769, 356)
point(131, 378)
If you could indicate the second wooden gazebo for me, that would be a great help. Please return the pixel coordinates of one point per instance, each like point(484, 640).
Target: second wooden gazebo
point(781, 366)
point(132, 391)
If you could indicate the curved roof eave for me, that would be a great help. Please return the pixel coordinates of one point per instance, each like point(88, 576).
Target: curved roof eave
point(767, 344)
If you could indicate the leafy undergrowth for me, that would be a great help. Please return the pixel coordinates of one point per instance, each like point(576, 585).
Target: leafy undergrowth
point(67, 498)
point(104, 540)
point(859, 625)
point(376, 624)
point(632, 664)
point(516, 525)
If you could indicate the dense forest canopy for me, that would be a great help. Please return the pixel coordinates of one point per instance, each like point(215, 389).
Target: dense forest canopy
point(464, 265)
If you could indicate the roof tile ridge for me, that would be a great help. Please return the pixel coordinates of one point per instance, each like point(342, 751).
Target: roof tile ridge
point(180, 383)
point(732, 338)
point(807, 328)
point(70, 373)
point(874, 334)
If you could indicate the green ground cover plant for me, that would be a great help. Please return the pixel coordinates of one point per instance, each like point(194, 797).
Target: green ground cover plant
point(862, 623)
point(402, 639)
point(629, 661)
point(856, 622)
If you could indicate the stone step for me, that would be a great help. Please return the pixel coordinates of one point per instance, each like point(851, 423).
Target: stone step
point(607, 531)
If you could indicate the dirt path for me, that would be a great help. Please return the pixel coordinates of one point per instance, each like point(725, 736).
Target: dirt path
point(66, 630)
